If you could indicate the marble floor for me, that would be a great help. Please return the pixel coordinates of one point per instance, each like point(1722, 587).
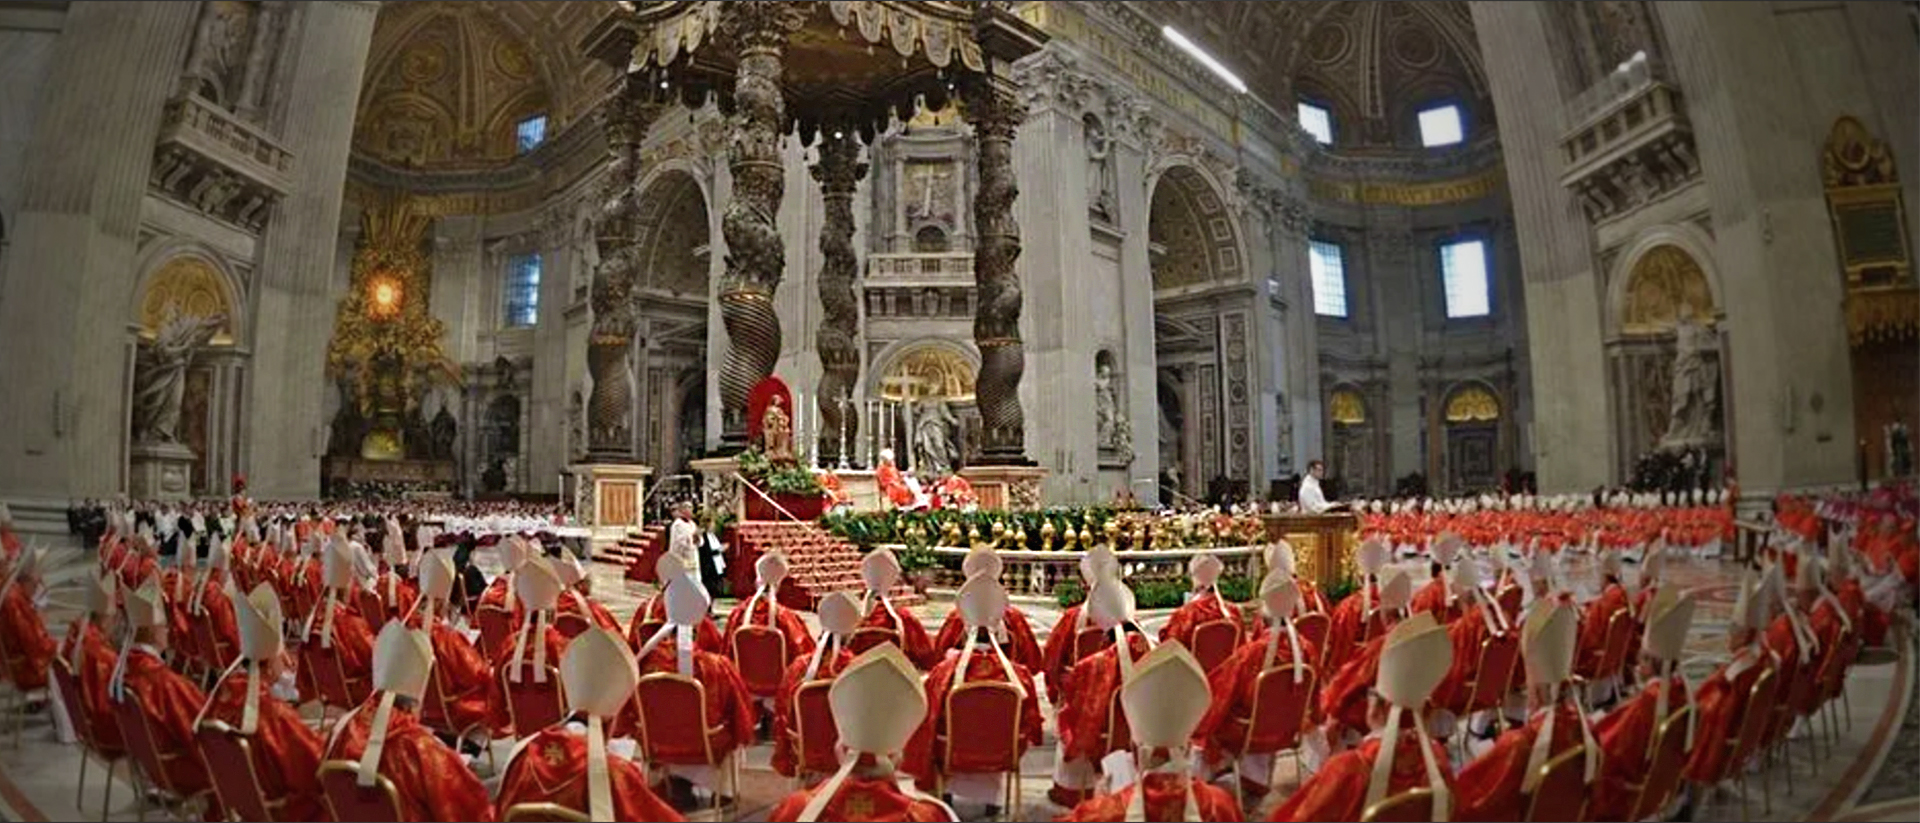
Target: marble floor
point(1866, 772)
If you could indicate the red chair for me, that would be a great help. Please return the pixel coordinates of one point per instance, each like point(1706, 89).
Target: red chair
point(1089, 641)
point(979, 709)
point(815, 732)
point(230, 765)
point(673, 722)
point(150, 763)
point(1410, 806)
point(1562, 791)
point(367, 602)
point(867, 637)
point(642, 632)
point(1667, 769)
point(1619, 641)
point(351, 802)
point(433, 713)
point(761, 655)
point(1280, 708)
point(72, 698)
point(1510, 597)
point(338, 690)
point(532, 705)
point(1214, 641)
point(1493, 678)
point(496, 628)
point(1755, 718)
point(571, 624)
point(215, 654)
point(542, 813)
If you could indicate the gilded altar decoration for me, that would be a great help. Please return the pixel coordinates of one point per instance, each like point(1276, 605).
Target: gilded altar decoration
point(929, 371)
point(1870, 228)
point(1346, 408)
point(1666, 286)
point(186, 286)
point(1472, 404)
point(385, 350)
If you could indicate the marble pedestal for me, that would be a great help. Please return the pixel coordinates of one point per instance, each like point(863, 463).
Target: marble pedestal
point(1014, 488)
point(720, 485)
point(607, 498)
point(160, 471)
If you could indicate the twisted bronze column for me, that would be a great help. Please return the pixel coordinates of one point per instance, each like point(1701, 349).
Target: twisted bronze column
point(625, 119)
point(838, 171)
point(756, 256)
point(995, 114)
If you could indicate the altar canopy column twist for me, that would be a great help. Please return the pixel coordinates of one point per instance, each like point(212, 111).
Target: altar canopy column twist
point(995, 113)
point(756, 255)
point(610, 429)
point(838, 171)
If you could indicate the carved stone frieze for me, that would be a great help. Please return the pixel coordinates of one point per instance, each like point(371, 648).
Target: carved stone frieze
point(1637, 149)
point(1050, 79)
point(210, 160)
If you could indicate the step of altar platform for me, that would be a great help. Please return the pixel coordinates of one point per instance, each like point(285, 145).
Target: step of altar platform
point(818, 564)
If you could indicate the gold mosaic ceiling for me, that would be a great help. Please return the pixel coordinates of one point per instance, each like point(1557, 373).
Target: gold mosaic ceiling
point(1375, 63)
point(447, 82)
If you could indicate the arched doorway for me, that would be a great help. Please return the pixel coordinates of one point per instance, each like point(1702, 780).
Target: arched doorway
point(1470, 421)
point(1351, 439)
point(670, 301)
point(1201, 339)
point(1664, 317)
point(188, 373)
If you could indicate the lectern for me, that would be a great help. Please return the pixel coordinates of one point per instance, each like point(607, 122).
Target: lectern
point(1323, 544)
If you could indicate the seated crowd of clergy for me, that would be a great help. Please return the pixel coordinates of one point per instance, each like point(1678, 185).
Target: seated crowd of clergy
point(1577, 710)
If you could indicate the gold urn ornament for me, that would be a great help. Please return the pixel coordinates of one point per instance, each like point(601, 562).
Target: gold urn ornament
point(952, 535)
point(1113, 534)
point(999, 535)
point(1046, 536)
point(1071, 541)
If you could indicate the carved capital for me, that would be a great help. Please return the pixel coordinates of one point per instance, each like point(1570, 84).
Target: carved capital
point(761, 25)
point(1050, 79)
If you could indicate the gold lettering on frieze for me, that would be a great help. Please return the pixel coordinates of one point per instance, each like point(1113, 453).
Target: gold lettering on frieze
point(1060, 20)
point(1407, 194)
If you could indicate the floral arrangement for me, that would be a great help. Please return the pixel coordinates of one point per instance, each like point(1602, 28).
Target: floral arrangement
point(1054, 529)
point(789, 479)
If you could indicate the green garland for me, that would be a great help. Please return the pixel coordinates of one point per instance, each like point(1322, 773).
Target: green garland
point(1157, 593)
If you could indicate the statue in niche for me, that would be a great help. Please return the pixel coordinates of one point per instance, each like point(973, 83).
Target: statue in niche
point(1115, 435)
point(219, 58)
point(1696, 388)
point(1283, 415)
point(577, 422)
point(160, 374)
point(586, 252)
point(443, 431)
point(776, 430)
point(1899, 447)
point(934, 427)
point(1101, 201)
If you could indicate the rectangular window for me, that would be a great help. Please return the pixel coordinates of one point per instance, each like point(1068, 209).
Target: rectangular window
point(523, 290)
point(532, 132)
point(1441, 126)
point(1463, 271)
point(1317, 121)
point(1329, 270)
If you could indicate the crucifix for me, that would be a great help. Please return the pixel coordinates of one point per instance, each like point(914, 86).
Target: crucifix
point(844, 403)
point(925, 176)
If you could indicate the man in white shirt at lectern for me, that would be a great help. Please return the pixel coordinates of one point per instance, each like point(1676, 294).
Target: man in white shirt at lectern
point(1312, 500)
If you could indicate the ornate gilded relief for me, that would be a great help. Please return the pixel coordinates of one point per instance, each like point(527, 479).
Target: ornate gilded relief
point(186, 286)
point(1666, 283)
point(386, 343)
point(451, 91)
point(1347, 408)
point(1472, 404)
point(929, 372)
point(1870, 229)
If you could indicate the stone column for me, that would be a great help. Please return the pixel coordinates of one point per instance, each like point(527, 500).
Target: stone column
point(70, 269)
point(296, 304)
point(995, 115)
point(839, 171)
point(756, 254)
point(610, 434)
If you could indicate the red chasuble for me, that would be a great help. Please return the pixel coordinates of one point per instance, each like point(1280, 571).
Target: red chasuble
point(351, 639)
point(29, 648)
point(1091, 688)
point(286, 751)
point(170, 703)
point(1224, 727)
point(1165, 801)
point(913, 636)
point(431, 779)
point(706, 634)
point(1020, 646)
point(1056, 658)
point(1467, 633)
point(551, 767)
point(92, 673)
point(575, 603)
point(1721, 701)
point(464, 676)
point(864, 798)
point(1490, 785)
point(926, 751)
point(1593, 628)
point(786, 748)
point(1626, 739)
point(1347, 625)
point(1343, 698)
point(1339, 789)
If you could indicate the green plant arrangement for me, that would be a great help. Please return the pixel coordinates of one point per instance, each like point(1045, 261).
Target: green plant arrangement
point(1236, 588)
point(794, 478)
point(1069, 593)
point(1338, 590)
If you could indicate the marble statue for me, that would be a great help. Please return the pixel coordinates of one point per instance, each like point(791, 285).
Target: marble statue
point(776, 430)
point(1696, 391)
point(1899, 450)
point(577, 422)
point(1115, 434)
point(442, 432)
point(1100, 177)
point(933, 429)
point(160, 375)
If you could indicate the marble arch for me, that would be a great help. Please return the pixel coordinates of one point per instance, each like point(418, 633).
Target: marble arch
point(1689, 241)
point(161, 267)
point(960, 355)
point(1190, 221)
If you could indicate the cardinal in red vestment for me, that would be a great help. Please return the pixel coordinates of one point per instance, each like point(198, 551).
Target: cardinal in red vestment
point(286, 751)
point(395, 591)
point(91, 657)
point(513, 552)
point(168, 701)
point(1722, 699)
point(1206, 605)
point(1165, 697)
point(1598, 615)
point(1280, 557)
point(881, 570)
point(981, 603)
point(762, 608)
point(461, 674)
point(336, 624)
point(651, 615)
point(1413, 659)
point(211, 603)
point(139, 564)
point(728, 713)
point(1628, 735)
point(535, 647)
point(1481, 620)
point(1057, 656)
point(1018, 644)
point(1438, 596)
point(878, 702)
point(29, 648)
point(568, 764)
point(576, 594)
point(1090, 710)
point(1223, 730)
point(385, 738)
point(1345, 696)
point(892, 483)
point(839, 616)
point(1500, 784)
point(1353, 621)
